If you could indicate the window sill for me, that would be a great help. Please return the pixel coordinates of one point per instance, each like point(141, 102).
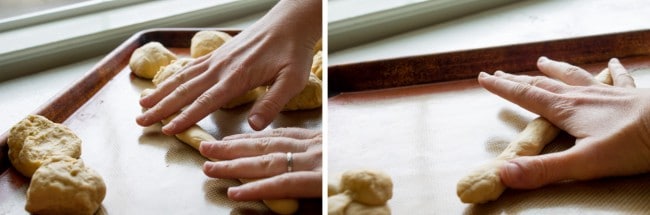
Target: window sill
point(69, 40)
point(345, 33)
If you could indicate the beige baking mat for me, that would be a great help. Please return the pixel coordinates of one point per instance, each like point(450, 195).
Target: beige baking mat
point(427, 137)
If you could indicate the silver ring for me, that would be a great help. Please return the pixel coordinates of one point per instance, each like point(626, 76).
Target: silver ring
point(289, 162)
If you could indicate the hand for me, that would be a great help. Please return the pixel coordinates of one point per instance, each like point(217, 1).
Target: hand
point(275, 51)
point(610, 123)
point(264, 155)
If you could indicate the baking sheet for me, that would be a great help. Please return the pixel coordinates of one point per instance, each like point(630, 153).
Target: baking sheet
point(428, 136)
point(145, 171)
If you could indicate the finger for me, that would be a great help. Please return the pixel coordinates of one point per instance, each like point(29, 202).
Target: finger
point(535, 171)
point(182, 76)
point(565, 72)
point(174, 102)
point(261, 166)
point(181, 89)
point(209, 101)
point(537, 81)
point(291, 132)
point(525, 95)
point(620, 76)
point(293, 185)
point(265, 109)
point(238, 148)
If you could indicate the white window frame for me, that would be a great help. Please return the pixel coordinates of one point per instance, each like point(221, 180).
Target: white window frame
point(62, 12)
point(376, 25)
point(26, 57)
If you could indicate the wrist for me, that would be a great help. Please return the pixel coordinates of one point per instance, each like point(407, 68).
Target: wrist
point(298, 19)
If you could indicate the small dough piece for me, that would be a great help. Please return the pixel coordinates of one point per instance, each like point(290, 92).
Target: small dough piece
point(355, 208)
point(337, 204)
point(332, 189)
point(309, 98)
point(168, 71)
point(147, 60)
point(369, 187)
point(317, 65)
point(49, 140)
point(65, 186)
point(250, 96)
point(204, 42)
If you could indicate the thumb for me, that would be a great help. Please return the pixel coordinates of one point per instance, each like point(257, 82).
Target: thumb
point(535, 171)
point(273, 101)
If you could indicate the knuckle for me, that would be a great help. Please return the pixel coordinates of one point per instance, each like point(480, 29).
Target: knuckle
point(270, 106)
point(520, 90)
point(565, 108)
point(181, 90)
point(279, 132)
point(179, 78)
point(316, 140)
point(571, 70)
point(263, 144)
point(315, 162)
point(266, 161)
point(206, 100)
point(537, 80)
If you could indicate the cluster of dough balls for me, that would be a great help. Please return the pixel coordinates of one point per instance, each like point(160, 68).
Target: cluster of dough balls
point(154, 61)
point(360, 192)
point(48, 153)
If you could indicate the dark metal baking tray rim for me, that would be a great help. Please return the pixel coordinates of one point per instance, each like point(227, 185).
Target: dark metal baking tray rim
point(465, 64)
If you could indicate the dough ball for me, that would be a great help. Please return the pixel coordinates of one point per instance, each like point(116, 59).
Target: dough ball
point(317, 65)
point(147, 60)
point(30, 126)
point(168, 71)
point(355, 208)
point(250, 96)
point(337, 204)
point(65, 186)
point(45, 139)
point(368, 186)
point(309, 98)
point(205, 42)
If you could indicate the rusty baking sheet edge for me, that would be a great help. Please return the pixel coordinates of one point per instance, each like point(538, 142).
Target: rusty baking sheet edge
point(464, 64)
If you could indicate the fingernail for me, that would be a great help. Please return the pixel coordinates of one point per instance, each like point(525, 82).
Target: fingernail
point(614, 60)
point(499, 73)
point(542, 59)
point(142, 119)
point(483, 75)
point(257, 121)
point(207, 166)
point(233, 192)
point(169, 128)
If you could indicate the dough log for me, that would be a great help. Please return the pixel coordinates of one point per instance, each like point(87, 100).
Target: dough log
point(484, 184)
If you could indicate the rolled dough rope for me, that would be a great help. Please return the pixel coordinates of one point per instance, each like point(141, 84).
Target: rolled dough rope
point(193, 137)
point(483, 184)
